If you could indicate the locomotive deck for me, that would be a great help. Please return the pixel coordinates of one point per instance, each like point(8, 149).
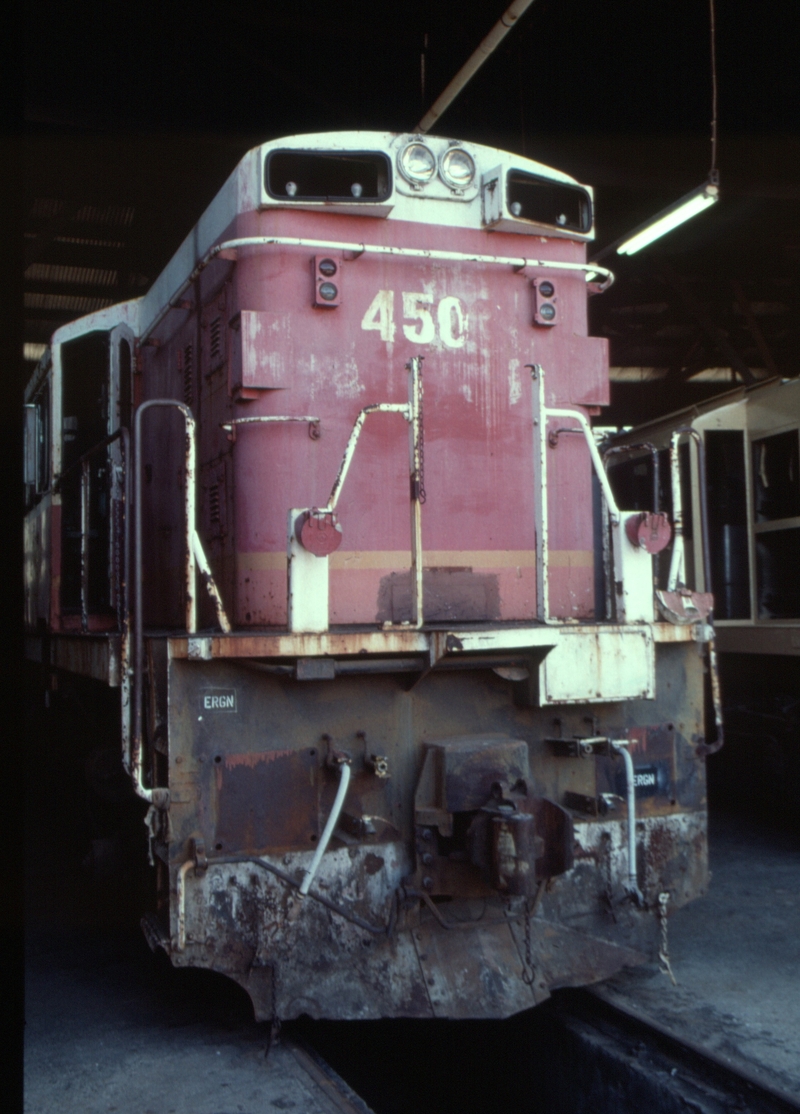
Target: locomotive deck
point(97, 655)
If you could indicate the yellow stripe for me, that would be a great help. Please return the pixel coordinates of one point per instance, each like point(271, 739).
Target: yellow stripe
point(571, 559)
point(391, 559)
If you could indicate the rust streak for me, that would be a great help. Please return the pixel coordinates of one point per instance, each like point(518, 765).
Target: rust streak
point(252, 760)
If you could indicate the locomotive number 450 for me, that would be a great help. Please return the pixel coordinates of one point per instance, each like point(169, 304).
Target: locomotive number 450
point(450, 314)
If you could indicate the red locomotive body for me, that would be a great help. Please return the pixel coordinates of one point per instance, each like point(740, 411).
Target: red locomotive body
point(355, 407)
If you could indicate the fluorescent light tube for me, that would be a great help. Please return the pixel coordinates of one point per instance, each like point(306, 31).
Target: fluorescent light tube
point(689, 206)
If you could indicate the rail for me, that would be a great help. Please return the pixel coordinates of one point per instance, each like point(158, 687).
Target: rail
point(541, 416)
point(195, 557)
point(230, 427)
point(677, 563)
point(621, 747)
point(227, 249)
point(744, 1087)
point(123, 586)
point(640, 446)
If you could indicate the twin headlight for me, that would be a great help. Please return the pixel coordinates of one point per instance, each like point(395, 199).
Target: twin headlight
point(417, 163)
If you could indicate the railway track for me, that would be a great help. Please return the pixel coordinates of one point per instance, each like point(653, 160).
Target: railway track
point(577, 1054)
point(689, 1072)
point(343, 1097)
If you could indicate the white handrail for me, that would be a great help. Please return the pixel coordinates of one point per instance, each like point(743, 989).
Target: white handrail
point(621, 747)
point(592, 271)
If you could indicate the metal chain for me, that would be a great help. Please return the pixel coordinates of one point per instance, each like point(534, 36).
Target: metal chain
point(421, 474)
point(608, 872)
point(663, 954)
point(528, 971)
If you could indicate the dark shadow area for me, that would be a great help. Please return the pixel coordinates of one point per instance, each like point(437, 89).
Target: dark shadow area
point(437, 1067)
point(756, 775)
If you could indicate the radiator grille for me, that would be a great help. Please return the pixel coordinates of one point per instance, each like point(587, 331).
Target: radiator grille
point(216, 339)
point(213, 503)
point(188, 375)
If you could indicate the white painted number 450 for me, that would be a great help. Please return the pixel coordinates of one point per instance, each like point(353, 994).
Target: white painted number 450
point(418, 308)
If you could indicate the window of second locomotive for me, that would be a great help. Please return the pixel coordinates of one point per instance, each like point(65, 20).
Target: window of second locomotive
point(776, 476)
point(328, 176)
point(37, 445)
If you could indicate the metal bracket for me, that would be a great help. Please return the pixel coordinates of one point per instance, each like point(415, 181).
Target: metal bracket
point(197, 849)
point(592, 806)
point(578, 747)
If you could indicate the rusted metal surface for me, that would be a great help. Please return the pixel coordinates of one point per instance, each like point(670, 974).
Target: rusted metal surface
point(369, 939)
point(96, 656)
point(399, 640)
point(267, 800)
point(455, 963)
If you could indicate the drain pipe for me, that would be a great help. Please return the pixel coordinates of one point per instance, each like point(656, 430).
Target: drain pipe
point(620, 746)
point(473, 64)
point(333, 820)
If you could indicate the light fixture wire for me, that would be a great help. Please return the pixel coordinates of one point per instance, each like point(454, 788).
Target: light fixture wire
point(710, 190)
point(713, 88)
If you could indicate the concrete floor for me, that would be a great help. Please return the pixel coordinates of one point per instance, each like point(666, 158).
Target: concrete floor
point(110, 1029)
point(736, 957)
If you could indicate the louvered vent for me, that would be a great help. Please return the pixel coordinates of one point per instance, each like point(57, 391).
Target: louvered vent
point(213, 503)
point(188, 375)
point(216, 339)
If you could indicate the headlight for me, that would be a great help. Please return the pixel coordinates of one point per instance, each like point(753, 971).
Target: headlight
point(417, 163)
point(457, 168)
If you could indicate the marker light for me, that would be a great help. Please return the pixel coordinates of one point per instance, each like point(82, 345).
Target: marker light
point(417, 163)
point(291, 188)
point(516, 208)
point(326, 292)
point(356, 189)
point(457, 168)
point(689, 206)
point(545, 309)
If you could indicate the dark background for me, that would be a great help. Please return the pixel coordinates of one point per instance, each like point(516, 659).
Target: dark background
point(135, 116)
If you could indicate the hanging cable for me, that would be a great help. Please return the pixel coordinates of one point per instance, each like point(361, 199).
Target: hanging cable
point(713, 88)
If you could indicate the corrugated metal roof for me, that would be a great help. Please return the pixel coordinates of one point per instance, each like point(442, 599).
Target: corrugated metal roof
point(71, 302)
point(61, 273)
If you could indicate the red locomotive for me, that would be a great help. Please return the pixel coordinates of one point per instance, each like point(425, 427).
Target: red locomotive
point(325, 506)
